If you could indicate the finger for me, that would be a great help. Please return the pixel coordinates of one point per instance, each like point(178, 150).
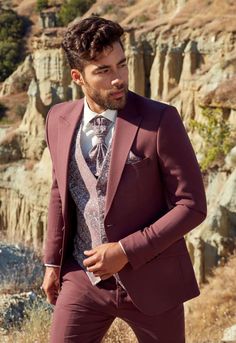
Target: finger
point(90, 252)
point(90, 261)
point(97, 268)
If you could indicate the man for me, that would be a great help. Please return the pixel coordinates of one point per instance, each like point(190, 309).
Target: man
point(126, 189)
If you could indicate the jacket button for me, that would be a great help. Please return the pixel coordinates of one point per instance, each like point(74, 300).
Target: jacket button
point(109, 225)
point(60, 251)
point(63, 228)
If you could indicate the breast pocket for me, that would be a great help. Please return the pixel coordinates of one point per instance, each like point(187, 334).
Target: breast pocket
point(132, 158)
point(145, 162)
point(130, 178)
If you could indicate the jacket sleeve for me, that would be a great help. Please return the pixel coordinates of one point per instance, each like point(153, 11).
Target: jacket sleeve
point(54, 235)
point(184, 190)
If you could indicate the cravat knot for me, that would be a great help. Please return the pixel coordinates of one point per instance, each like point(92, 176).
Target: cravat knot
point(100, 126)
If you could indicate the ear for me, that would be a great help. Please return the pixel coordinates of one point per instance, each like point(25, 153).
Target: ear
point(77, 77)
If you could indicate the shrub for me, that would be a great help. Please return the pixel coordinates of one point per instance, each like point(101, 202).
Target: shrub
point(41, 5)
point(218, 137)
point(12, 29)
point(9, 57)
point(72, 9)
point(12, 26)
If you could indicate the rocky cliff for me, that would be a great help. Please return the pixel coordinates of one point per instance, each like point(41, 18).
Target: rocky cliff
point(180, 52)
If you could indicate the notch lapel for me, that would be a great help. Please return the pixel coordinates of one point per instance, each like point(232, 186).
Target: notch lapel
point(68, 120)
point(127, 123)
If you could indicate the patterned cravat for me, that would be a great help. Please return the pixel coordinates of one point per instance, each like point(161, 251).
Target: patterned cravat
point(100, 126)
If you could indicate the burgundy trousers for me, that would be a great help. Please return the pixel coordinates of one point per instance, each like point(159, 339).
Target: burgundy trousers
point(83, 312)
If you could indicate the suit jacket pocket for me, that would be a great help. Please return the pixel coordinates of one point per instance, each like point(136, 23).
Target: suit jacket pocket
point(139, 163)
point(132, 158)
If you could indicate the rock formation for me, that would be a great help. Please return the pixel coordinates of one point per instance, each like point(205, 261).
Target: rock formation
point(19, 80)
point(183, 58)
point(24, 184)
point(229, 335)
point(214, 239)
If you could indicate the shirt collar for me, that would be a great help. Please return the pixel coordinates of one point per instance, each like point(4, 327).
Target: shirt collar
point(89, 114)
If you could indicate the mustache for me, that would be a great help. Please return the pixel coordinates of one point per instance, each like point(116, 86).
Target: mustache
point(120, 87)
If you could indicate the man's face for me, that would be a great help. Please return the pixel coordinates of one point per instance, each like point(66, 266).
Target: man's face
point(105, 80)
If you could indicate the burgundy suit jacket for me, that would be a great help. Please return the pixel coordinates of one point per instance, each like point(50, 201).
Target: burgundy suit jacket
point(150, 205)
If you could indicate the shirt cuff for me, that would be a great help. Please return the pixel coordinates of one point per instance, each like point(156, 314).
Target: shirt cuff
point(51, 265)
point(122, 248)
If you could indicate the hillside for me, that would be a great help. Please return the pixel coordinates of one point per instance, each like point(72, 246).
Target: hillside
point(209, 16)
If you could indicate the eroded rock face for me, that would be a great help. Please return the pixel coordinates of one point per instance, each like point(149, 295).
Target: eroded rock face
point(25, 184)
point(24, 196)
point(211, 242)
point(229, 335)
point(52, 75)
point(19, 81)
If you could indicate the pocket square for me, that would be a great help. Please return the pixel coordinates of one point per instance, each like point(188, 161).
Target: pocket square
point(132, 158)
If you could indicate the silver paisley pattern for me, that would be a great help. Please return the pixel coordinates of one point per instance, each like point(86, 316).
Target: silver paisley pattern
point(89, 194)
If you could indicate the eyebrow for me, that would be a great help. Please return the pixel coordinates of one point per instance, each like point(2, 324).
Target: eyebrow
point(102, 67)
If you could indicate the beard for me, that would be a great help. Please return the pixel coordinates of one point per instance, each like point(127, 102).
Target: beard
point(107, 101)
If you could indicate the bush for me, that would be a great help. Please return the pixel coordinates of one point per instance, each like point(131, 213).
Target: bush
point(217, 135)
point(72, 9)
point(12, 26)
point(9, 58)
point(12, 29)
point(41, 5)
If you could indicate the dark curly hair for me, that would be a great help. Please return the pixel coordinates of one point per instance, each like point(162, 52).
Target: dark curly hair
point(85, 40)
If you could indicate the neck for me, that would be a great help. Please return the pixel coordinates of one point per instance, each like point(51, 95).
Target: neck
point(94, 107)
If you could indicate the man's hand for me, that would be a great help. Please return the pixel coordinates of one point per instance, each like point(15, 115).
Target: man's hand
point(51, 284)
point(105, 260)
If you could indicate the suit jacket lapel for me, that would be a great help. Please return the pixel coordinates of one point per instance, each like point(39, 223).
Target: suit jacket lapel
point(68, 119)
point(127, 123)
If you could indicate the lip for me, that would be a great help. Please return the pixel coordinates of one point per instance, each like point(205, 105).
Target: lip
point(118, 95)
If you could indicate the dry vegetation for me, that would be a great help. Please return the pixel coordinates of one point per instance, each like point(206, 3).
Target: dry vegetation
point(207, 16)
point(215, 309)
point(206, 316)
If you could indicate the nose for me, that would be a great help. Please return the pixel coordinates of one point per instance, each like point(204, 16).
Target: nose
point(116, 78)
point(117, 82)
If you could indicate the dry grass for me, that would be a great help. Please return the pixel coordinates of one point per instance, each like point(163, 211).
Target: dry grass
point(215, 309)
point(207, 16)
point(120, 332)
point(206, 316)
point(35, 329)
